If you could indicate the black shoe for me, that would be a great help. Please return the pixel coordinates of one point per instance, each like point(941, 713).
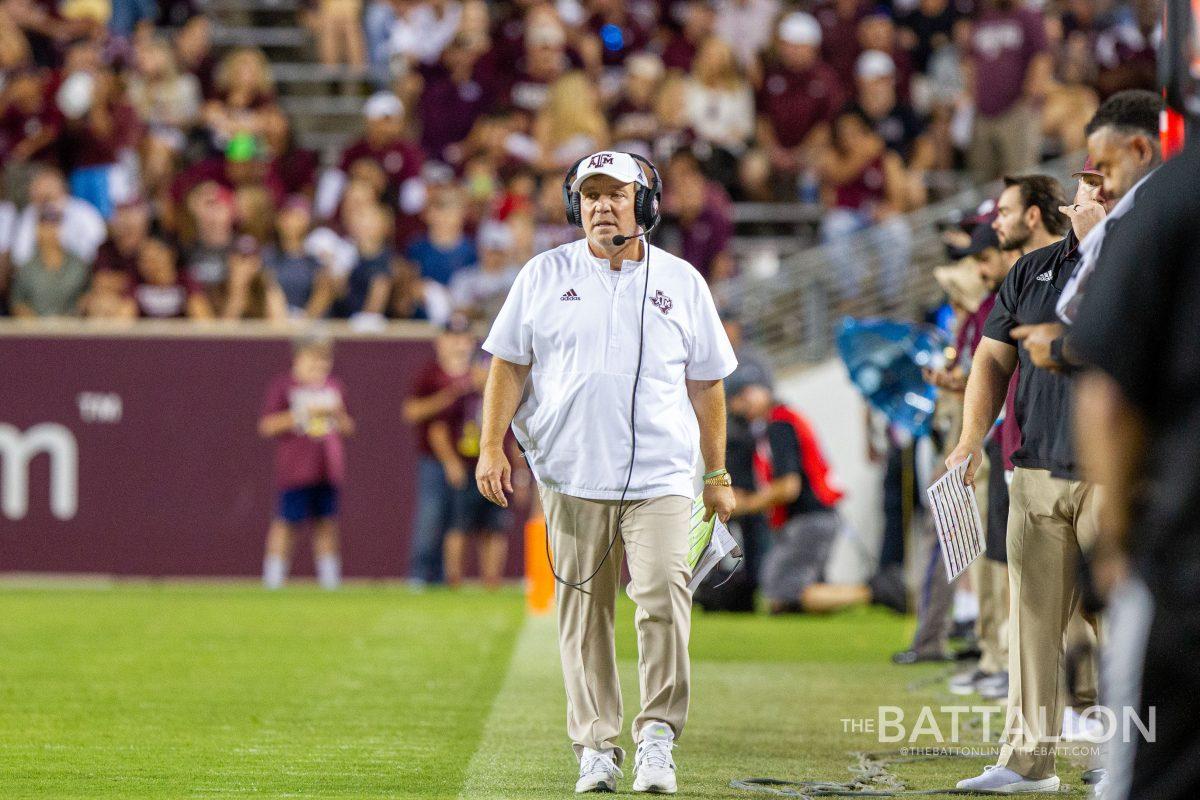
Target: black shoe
point(913, 657)
point(969, 652)
point(963, 630)
point(887, 589)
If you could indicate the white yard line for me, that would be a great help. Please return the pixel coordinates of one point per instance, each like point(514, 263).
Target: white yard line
point(527, 721)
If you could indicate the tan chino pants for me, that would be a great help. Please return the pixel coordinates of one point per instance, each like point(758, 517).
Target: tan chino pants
point(654, 541)
point(1051, 521)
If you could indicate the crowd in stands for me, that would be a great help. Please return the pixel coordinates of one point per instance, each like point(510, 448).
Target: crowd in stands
point(147, 174)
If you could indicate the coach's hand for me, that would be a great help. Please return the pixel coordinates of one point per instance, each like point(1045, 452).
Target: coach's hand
point(964, 449)
point(719, 499)
point(493, 474)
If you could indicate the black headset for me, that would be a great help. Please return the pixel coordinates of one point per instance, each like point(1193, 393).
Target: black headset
point(646, 200)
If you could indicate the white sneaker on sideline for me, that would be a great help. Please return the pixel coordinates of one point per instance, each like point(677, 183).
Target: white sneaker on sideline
point(1077, 728)
point(653, 768)
point(1003, 780)
point(598, 772)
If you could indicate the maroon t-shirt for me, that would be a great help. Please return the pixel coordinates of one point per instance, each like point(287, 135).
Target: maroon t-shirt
point(16, 126)
point(865, 191)
point(432, 380)
point(796, 102)
point(1003, 43)
point(679, 53)
point(108, 257)
point(839, 38)
point(708, 235)
point(448, 110)
point(315, 455)
point(297, 170)
point(400, 159)
point(87, 149)
point(156, 301)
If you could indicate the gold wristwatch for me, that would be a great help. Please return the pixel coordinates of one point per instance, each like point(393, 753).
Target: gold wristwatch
point(718, 477)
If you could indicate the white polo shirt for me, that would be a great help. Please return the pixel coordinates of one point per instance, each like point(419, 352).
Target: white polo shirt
point(576, 323)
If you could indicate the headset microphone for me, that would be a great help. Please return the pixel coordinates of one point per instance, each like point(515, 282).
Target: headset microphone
point(619, 239)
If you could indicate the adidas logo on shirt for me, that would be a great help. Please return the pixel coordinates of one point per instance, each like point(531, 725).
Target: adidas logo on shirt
point(570, 294)
point(1045, 276)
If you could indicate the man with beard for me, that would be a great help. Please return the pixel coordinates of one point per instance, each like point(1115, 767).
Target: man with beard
point(1052, 513)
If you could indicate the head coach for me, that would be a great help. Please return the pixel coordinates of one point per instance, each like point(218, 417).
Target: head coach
point(608, 362)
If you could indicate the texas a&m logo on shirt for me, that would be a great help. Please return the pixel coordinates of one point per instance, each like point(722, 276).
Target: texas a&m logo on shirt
point(600, 160)
point(661, 301)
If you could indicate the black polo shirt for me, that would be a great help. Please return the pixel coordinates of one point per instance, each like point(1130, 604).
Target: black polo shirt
point(1140, 322)
point(1028, 296)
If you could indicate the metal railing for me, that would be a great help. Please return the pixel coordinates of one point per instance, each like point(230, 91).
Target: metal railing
point(791, 308)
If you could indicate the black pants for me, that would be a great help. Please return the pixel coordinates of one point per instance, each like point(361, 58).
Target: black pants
point(1169, 767)
point(900, 460)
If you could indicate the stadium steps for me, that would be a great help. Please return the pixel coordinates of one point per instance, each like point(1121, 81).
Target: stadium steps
point(264, 37)
point(220, 7)
point(325, 106)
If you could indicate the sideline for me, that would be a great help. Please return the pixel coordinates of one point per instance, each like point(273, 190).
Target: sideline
point(524, 724)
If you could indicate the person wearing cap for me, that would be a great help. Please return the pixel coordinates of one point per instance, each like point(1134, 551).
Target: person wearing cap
point(479, 291)
point(895, 121)
point(385, 143)
point(305, 413)
point(799, 97)
point(585, 325)
point(543, 60)
point(51, 283)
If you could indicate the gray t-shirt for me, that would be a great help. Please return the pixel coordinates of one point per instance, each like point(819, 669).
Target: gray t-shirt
point(50, 292)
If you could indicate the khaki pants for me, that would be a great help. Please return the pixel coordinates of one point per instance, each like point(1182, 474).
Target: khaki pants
point(1005, 145)
point(654, 541)
point(990, 580)
point(1050, 522)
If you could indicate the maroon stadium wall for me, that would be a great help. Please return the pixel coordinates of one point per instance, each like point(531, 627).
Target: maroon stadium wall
point(138, 455)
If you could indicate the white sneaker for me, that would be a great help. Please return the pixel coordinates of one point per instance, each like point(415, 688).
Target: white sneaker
point(1003, 780)
point(993, 687)
point(1077, 728)
point(598, 772)
point(653, 768)
point(967, 682)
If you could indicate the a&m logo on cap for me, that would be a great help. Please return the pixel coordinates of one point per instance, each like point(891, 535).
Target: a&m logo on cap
point(600, 160)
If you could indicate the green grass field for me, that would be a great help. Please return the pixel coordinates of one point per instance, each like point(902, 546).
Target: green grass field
point(195, 690)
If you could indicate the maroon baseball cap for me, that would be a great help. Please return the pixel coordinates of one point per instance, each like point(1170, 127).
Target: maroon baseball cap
point(1089, 170)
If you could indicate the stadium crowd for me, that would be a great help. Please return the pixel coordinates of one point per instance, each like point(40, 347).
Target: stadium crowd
point(147, 175)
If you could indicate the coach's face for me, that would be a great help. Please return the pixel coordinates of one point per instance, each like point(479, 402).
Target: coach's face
point(607, 208)
point(1122, 158)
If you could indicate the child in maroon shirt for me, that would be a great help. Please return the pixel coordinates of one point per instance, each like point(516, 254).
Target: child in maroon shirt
point(305, 411)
